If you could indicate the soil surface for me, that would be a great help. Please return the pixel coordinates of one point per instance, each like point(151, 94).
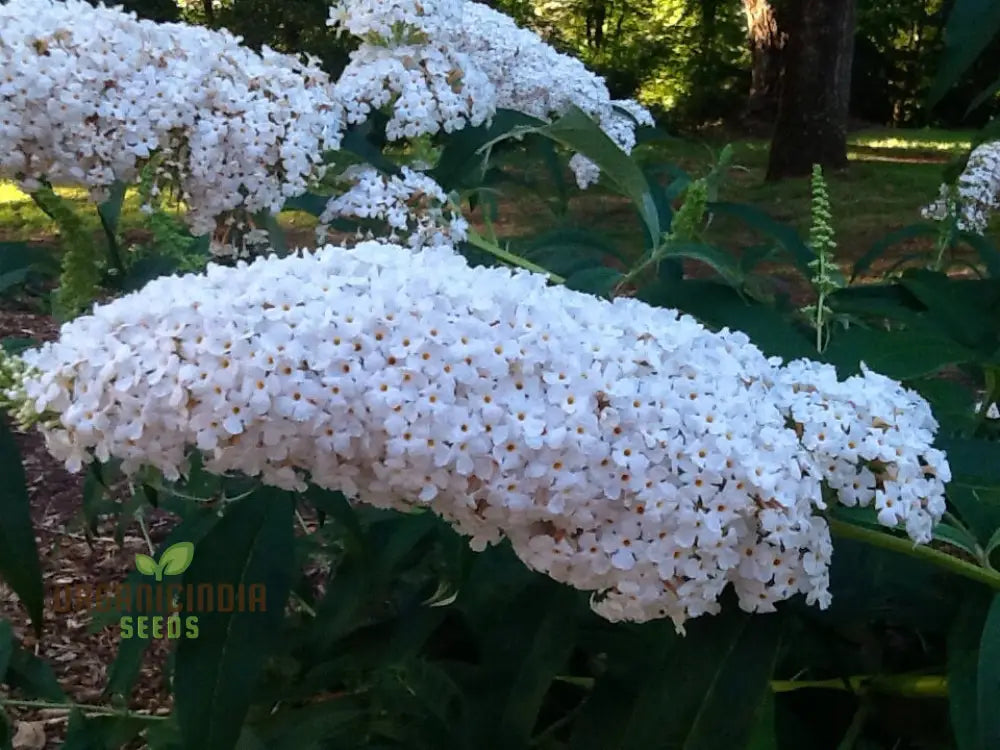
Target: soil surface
point(78, 653)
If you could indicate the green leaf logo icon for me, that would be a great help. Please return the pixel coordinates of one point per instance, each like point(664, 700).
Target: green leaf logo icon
point(145, 565)
point(175, 560)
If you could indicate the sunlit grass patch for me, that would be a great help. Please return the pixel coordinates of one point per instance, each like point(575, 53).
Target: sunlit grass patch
point(926, 139)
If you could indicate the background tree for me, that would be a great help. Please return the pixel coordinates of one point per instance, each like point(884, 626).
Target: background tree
point(766, 42)
point(816, 86)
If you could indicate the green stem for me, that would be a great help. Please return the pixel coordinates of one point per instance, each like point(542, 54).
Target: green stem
point(913, 686)
point(145, 534)
point(655, 256)
point(495, 250)
point(909, 685)
point(944, 242)
point(85, 708)
point(922, 552)
point(819, 314)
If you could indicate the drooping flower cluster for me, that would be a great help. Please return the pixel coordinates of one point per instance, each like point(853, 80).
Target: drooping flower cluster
point(91, 95)
point(446, 63)
point(88, 94)
point(412, 204)
point(428, 87)
point(976, 194)
point(623, 449)
point(532, 77)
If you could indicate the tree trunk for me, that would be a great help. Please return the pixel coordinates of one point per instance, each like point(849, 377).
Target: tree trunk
point(209, 9)
point(815, 92)
point(766, 42)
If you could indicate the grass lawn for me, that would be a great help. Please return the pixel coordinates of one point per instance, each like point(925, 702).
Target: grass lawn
point(893, 173)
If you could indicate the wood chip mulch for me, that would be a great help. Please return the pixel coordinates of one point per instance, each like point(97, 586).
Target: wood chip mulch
point(79, 655)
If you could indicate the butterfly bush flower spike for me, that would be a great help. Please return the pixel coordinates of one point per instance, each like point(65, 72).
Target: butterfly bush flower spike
point(90, 94)
point(976, 194)
point(623, 449)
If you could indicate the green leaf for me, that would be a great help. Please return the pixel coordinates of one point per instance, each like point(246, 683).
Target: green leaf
point(718, 260)
point(164, 735)
point(764, 734)
point(543, 649)
point(13, 278)
point(33, 676)
point(215, 672)
point(111, 210)
point(249, 740)
point(357, 140)
point(144, 270)
point(899, 354)
point(992, 544)
point(579, 132)
point(311, 727)
point(978, 506)
point(177, 558)
point(879, 248)
point(125, 668)
point(963, 659)
point(700, 692)
point(110, 732)
point(988, 678)
point(971, 26)
point(973, 462)
point(785, 235)
point(956, 537)
point(597, 281)
point(81, 734)
point(988, 253)
point(566, 251)
point(19, 565)
point(145, 564)
point(6, 647)
point(12, 345)
point(20, 256)
point(983, 96)
point(310, 203)
point(878, 302)
point(461, 164)
point(961, 309)
point(275, 234)
point(952, 403)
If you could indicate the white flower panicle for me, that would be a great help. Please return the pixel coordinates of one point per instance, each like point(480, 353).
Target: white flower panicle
point(91, 94)
point(88, 94)
point(976, 194)
point(392, 22)
point(532, 77)
point(412, 204)
point(622, 449)
point(429, 88)
point(446, 64)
